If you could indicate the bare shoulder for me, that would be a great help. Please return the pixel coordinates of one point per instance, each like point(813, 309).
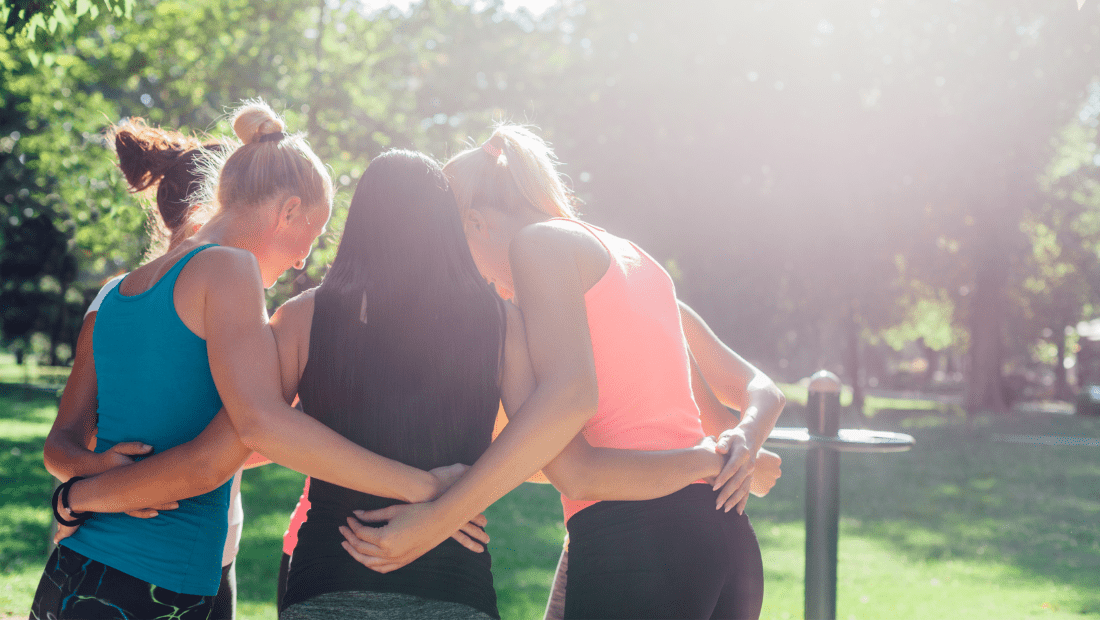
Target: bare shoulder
point(555, 235)
point(296, 314)
point(556, 244)
point(227, 267)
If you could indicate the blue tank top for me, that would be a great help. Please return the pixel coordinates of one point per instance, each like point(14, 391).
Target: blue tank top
point(155, 387)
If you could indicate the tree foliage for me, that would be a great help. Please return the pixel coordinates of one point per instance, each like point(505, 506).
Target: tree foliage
point(824, 177)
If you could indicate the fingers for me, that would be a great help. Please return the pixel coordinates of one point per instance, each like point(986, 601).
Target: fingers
point(480, 521)
point(740, 480)
point(364, 538)
point(374, 563)
point(737, 465)
point(476, 533)
point(722, 446)
point(63, 532)
point(131, 448)
point(144, 513)
point(377, 516)
point(741, 504)
point(466, 541)
point(167, 506)
point(737, 497)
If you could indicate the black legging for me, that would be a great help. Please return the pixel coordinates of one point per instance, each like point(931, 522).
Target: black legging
point(673, 557)
point(225, 603)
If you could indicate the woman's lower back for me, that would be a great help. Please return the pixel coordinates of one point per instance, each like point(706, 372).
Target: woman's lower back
point(321, 567)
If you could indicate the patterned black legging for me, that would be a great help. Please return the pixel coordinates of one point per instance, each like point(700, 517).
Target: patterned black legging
point(76, 587)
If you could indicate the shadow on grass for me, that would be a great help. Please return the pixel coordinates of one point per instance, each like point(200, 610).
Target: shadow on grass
point(961, 494)
point(25, 418)
point(24, 505)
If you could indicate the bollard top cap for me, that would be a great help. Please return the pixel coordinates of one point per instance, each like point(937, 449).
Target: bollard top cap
point(824, 381)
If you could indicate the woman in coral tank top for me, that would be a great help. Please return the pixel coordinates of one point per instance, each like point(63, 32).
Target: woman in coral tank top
point(612, 370)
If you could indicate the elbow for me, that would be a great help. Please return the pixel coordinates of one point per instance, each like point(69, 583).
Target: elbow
point(252, 433)
point(780, 397)
point(581, 397)
point(571, 480)
point(52, 460)
point(575, 488)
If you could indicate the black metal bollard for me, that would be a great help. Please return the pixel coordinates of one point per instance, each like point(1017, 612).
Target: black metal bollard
point(825, 440)
point(822, 497)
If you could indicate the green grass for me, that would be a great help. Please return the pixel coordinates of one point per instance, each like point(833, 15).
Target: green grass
point(962, 526)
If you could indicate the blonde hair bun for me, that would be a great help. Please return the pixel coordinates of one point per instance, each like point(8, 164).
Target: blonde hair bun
point(254, 120)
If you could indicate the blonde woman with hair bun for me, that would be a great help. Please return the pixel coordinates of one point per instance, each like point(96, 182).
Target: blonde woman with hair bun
point(611, 369)
point(185, 361)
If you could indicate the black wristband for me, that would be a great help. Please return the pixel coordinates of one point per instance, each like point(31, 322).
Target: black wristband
point(62, 491)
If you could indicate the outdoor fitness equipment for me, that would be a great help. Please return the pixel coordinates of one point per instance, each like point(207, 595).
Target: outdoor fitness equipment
point(825, 440)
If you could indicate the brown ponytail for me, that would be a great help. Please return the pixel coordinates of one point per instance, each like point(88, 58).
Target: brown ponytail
point(168, 160)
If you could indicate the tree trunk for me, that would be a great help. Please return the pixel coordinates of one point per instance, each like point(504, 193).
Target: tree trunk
point(985, 388)
point(931, 356)
point(852, 363)
point(1061, 389)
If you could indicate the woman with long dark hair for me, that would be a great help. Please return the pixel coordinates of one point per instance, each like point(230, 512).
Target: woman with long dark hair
point(405, 350)
point(609, 356)
point(400, 350)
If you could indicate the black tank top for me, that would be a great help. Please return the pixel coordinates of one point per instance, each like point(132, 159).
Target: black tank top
point(392, 418)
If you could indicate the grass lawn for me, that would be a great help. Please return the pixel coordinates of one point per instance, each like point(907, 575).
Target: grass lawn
point(962, 526)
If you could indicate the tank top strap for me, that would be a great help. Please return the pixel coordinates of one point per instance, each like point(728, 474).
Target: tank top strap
point(169, 278)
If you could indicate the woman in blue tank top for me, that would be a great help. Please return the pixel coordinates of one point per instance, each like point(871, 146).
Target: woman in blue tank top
point(182, 351)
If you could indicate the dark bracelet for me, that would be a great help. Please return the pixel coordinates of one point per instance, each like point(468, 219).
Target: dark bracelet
point(62, 491)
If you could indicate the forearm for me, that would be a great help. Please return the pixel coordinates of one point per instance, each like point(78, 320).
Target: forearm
point(585, 473)
point(157, 480)
point(193, 468)
point(299, 442)
point(765, 404)
point(545, 424)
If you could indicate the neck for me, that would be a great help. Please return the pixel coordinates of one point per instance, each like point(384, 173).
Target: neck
point(234, 230)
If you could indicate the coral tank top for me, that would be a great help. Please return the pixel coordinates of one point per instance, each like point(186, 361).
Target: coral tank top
point(641, 357)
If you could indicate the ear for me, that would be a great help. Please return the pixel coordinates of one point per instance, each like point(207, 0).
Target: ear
point(290, 210)
point(475, 223)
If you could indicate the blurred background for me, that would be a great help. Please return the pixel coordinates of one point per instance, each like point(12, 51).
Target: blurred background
point(905, 193)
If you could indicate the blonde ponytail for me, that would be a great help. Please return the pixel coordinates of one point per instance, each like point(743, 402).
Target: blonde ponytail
point(513, 170)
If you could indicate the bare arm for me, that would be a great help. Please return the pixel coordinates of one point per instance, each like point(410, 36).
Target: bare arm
point(68, 449)
point(245, 364)
point(742, 386)
point(244, 361)
point(582, 472)
point(196, 467)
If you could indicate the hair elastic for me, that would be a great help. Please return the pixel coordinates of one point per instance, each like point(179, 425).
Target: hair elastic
point(493, 151)
point(63, 491)
point(272, 137)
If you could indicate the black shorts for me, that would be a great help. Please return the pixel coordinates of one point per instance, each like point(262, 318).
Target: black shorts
point(74, 587)
point(672, 557)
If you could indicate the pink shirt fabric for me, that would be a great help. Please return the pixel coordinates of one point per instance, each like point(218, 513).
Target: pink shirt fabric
point(641, 357)
point(290, 537)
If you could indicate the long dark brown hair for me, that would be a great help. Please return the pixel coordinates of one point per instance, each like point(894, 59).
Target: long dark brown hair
point(406, 336)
